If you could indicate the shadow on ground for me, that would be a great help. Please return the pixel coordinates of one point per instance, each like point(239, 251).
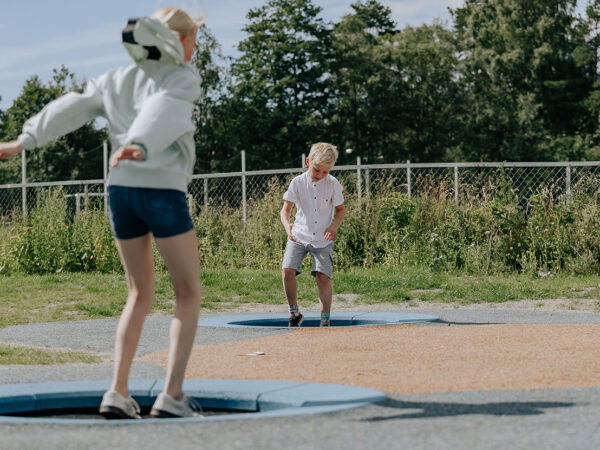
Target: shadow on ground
point(435, 409)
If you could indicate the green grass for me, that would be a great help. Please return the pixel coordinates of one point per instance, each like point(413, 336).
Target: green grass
point(79, 296)
point(29, 356)
point(69, 296)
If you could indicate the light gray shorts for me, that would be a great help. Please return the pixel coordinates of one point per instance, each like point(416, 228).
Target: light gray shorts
point(295, 252)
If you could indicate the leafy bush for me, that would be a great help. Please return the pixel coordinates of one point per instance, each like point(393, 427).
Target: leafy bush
point(489, 234)
point(48, 240)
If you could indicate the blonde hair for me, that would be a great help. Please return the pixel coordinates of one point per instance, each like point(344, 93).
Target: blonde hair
point(178, 21)
point(323, 153)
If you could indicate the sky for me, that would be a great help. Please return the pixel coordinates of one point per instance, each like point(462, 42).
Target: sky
point(85, 35)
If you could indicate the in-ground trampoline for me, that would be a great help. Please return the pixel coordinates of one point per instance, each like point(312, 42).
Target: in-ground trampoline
point(338, 319)
point(77, 402)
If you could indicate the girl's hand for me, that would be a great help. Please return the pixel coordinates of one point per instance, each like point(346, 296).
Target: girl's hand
point(132, 152)
point(10, 148)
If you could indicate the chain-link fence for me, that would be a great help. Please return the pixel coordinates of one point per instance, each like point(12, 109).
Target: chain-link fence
point(458, 182)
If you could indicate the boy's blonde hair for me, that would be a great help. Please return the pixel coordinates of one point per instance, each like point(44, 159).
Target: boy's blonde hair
point(178, 21)
point(323, 153)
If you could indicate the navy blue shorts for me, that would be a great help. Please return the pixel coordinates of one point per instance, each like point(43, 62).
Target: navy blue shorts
point(135, 212)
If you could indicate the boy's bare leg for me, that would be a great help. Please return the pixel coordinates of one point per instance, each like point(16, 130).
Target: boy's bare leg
point(325, 291)
point(136, 257)
point(181, 258)
point(289, 286)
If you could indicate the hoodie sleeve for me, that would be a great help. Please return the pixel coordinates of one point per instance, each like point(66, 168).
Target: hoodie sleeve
point(63, 115)
point(167, 114)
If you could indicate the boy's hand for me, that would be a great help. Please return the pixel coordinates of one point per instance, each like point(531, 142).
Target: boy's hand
point(10, 148)
point(130, 152)
point(289, 232)
point(330, 234)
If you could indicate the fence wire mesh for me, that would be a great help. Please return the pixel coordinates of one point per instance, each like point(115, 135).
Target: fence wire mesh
point(461, 182)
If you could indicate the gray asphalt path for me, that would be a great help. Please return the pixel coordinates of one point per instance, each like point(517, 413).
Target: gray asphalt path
point(548, 419)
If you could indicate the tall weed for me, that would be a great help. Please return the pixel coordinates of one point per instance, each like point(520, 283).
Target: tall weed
point(488, 232)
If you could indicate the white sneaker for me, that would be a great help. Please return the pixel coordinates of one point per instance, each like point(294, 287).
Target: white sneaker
point(115, 406)
point(167, 406)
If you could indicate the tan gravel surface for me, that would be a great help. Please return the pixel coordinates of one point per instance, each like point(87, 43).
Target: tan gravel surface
point(411, 358)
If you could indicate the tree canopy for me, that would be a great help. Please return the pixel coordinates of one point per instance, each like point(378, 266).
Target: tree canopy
point(510, 80)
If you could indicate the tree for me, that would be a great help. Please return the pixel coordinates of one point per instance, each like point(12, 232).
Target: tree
point(430, 101)
point(75, 156)
point(524, 84)
point(588, 56)
point(364, 90)
point(216, 144)
point(279, 93)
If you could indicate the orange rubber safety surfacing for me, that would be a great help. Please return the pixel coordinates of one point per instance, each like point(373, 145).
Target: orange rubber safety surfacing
point(411, 359)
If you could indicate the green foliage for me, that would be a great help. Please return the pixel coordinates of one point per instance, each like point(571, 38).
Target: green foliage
point(214, 119)
point(430, 101)
point(12, 354)
point(497, 236)
point(361, 80)
point(524, 81)
point(508, 80)
point(77, 155)
point(505, 80)
point(50, 240)
point(79, 296)
point(280, 95)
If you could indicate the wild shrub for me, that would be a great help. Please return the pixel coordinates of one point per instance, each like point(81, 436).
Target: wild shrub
point(489, 232)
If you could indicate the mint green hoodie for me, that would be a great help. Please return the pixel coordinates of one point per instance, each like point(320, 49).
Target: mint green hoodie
point(149, 104)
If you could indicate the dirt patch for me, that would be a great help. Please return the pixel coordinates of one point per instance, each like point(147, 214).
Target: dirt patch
point(411, 359)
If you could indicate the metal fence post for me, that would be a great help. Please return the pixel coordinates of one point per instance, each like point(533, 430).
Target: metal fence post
point(303, 161)
point(568, 168)
point(206, 192)
point(190, 202)
point(77, 205)
point(358, 180)
point(456, 184)
point(86, 197)
point(244, 187)
point(23, 182)
point(408, 186)
point(105, 174)
point(367, 183)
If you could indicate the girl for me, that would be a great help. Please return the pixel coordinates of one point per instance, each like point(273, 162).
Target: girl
point(148, 106)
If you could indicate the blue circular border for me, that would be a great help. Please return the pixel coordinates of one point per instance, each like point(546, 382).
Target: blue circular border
point(265, 398)
point(337, 319)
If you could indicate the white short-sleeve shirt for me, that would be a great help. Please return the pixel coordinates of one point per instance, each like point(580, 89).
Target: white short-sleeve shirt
point(315, 203)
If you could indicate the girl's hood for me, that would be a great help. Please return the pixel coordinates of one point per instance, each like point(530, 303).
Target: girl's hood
point(147, 38)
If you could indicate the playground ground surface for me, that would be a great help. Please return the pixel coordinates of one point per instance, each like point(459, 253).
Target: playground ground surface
point(520, 375)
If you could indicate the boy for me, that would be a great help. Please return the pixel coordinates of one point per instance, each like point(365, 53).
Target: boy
point(318, 198)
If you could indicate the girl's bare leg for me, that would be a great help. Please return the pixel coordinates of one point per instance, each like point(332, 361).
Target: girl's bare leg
point(181, 258)
point(136, 256)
